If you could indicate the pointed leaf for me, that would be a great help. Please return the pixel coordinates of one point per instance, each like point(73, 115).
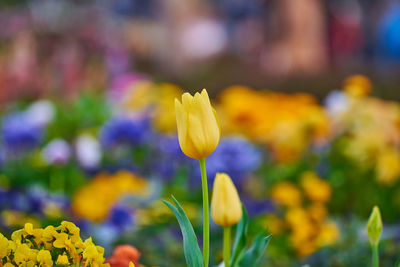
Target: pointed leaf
point(240, 239)
point(191, 248)
point(253, 255)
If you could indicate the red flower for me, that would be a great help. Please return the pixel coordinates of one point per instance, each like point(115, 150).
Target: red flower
point(124, 254)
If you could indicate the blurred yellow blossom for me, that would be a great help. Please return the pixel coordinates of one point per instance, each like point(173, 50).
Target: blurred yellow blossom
point(388, 166)
point(307, 221)
point(157, 98)
point(370, 128)
point(285, 123)
point(329, 233)
point(315, 188)
point(297, 216)
point(317, 211)
point(286, 193)
point(94, 200)
point(140, 95)
point(274, 224)
point(164, 114)
point(357, 85)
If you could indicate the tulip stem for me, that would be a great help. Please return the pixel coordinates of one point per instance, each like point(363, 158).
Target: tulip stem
point(375, 255)
point(227, 245)
point(206, 215)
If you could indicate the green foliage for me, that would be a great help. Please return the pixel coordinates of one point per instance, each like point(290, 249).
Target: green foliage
point(191, 248)
point(251, 257)
point(240, 239)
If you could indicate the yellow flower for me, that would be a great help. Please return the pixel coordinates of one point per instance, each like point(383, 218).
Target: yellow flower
point(306, 248)
point(317, 211)
point(388, 166)
point(357, 85)
point(23, 254)
point(297, 217)
point(95, 200)
point(62, 260)
point(315, 188)
point(3, 246)
point(61, 240)
point(93, 255)
point(71, 229)
point(198, 129)
point(274, 225)
point(226, 208)
point(329, 234)
point(374, 226)
point(287, 194)
point(164, 115)
point(44, 258)
point(131, 264)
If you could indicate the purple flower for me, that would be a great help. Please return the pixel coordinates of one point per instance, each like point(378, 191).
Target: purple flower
point(235, 156)
point(19, 133)
point(125, 131)
point(257, 207)
point(169, 157)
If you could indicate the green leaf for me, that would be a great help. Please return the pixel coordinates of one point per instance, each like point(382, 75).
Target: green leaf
point(240, 239)
point(191, 248)
point(253, 255)
point(397, 264)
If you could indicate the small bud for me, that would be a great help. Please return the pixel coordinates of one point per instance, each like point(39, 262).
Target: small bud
point(374, 226)
point(226, 208)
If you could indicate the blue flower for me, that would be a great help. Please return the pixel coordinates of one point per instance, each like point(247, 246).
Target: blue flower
point(235, 156)
point(125, 131)
point(19, 133)
point(257, 207)
point(167, 148)
point(121, 217)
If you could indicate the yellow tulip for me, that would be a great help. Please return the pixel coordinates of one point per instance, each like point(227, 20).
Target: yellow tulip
point(226, 208)
point(197, 123)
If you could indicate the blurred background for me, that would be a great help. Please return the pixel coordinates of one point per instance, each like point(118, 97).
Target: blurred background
point(307, 92)
point(64, 47)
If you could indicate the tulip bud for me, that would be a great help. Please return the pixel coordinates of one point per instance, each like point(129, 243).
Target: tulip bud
point(198, 129)
point(374, 226)
point(226, 208)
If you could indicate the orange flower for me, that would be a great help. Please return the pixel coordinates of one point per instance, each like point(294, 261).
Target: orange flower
point(123, 255)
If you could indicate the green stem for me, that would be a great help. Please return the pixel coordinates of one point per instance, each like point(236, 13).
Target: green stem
point(375, 255)
point(227, 245)
point(206, 216)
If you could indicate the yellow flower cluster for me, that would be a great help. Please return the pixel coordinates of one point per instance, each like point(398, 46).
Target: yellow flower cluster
point(371, 133)
point(62, 245)
point(95, 200)
point(286, 123)
point(306, 214)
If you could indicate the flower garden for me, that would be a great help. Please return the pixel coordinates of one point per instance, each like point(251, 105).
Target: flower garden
point(308, 175)
point(139, 133)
